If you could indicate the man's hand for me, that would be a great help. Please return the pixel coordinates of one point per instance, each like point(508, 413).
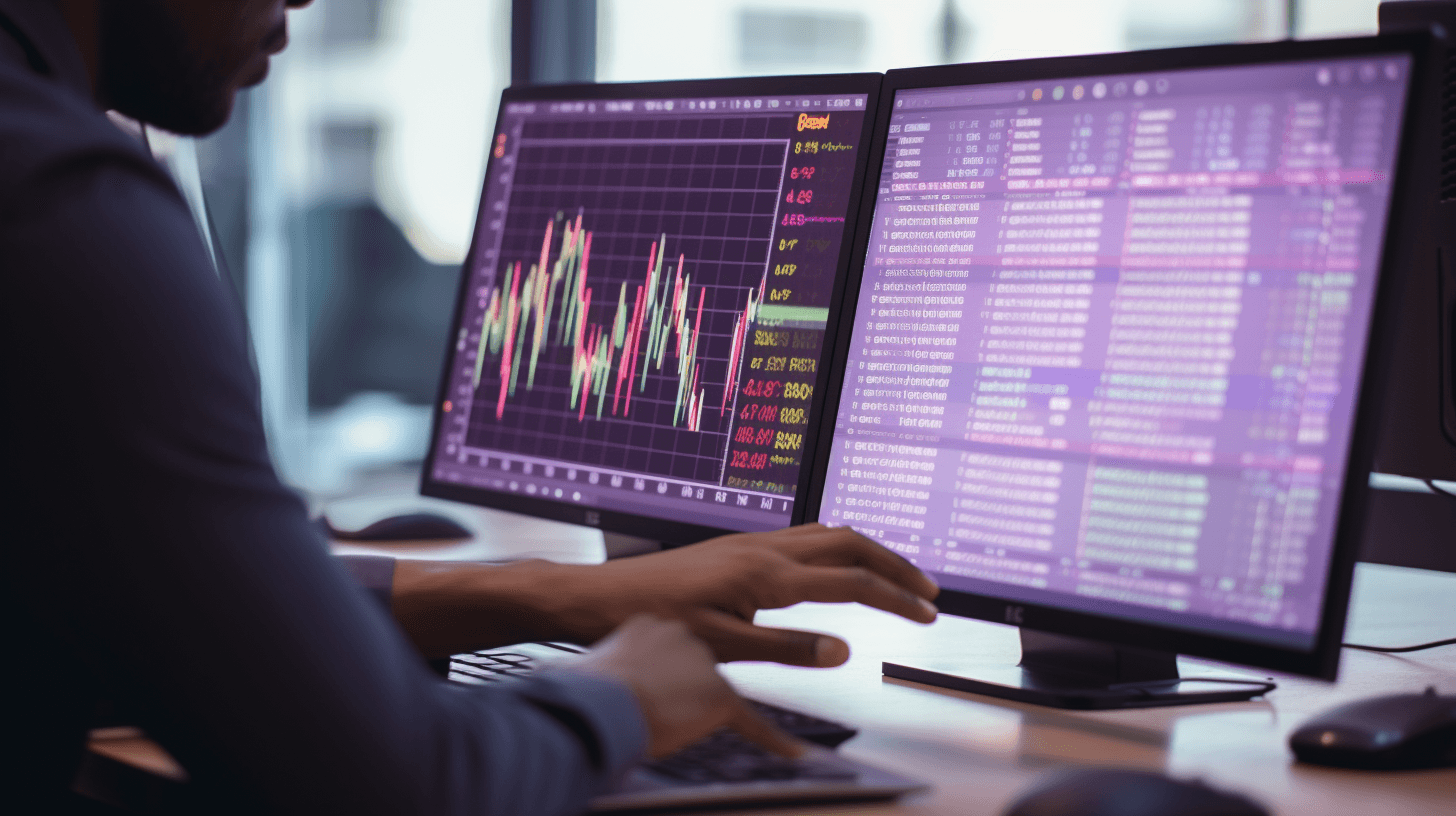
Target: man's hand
point(677, 684)
point(717, 586)
point(714, 587)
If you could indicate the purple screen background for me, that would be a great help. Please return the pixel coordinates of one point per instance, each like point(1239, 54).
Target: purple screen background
point(1108, 341)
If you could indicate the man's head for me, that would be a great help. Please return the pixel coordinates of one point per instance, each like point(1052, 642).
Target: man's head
point(178, 64)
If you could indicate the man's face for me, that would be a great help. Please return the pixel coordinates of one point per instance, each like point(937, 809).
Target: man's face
point(178, 64)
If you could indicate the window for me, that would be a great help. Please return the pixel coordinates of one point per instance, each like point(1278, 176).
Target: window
point(662, 39)
point(344, 191)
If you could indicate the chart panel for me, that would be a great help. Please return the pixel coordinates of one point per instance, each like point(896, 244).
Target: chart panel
point(649, 292)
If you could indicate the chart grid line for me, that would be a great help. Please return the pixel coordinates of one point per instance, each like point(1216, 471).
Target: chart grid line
point(654, 327)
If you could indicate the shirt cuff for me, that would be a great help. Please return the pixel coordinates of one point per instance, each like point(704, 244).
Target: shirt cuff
point(602, 712)
point(374, 572)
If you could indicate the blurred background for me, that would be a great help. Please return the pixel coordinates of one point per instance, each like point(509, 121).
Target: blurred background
point(342, 194)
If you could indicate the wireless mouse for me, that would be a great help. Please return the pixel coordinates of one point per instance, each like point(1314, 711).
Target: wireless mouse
point(1393, 732)
point(1112, 792)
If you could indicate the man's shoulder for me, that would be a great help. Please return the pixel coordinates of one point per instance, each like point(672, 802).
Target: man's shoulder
point(45, 125)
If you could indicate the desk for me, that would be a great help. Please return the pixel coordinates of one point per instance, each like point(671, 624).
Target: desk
point(980, 753)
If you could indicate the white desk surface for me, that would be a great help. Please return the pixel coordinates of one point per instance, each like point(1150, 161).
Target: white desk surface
point(980, 753)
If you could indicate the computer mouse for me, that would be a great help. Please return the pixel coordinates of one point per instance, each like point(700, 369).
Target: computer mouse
point(1393, 732)
point(1111, 792)
point(408, 527)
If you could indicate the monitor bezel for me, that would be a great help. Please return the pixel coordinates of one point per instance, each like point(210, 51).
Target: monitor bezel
point(1322, 660)
point(662, 530)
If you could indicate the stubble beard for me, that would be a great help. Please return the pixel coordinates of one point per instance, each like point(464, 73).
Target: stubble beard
point(149, 71)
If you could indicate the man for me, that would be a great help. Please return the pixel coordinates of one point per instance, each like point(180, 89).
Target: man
point(154, 563)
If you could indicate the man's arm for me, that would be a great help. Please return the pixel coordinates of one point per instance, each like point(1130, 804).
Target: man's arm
point(373, 572)
point(715, 587)
point(184, 572)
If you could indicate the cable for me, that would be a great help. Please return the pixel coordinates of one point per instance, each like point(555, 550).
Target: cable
point(1397, 649)
point(1431, 483)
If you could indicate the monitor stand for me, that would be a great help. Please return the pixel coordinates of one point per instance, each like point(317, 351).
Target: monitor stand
point(1068, 672)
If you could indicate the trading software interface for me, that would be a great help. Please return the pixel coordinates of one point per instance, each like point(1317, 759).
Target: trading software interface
point(1109, 337)
point(648, 294)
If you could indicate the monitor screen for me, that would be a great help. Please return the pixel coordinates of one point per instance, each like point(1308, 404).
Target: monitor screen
point(639, 329)
point(1110, 333)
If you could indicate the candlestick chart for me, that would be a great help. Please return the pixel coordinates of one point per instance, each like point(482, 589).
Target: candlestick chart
point(653, 327)
point(616, 294)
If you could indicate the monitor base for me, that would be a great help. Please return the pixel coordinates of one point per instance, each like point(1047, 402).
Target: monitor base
point(1066, 672)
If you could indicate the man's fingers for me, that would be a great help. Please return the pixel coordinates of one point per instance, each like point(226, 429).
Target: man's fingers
point(842, 547)
point(761, 732)
point(736, 639)
point(858, 585)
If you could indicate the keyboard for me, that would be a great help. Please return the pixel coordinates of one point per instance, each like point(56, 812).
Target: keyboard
point(493, 665)
point(723, 769)
point(727, 757)
point(827, 733)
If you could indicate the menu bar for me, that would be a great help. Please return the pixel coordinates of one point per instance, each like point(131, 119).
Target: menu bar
point(1334, 74)
point(692, 105)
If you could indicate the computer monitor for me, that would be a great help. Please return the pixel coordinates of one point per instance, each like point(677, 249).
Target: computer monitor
point(637, 339)
point(1114, 319)
point(1419, 440)
point(1407, 525)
